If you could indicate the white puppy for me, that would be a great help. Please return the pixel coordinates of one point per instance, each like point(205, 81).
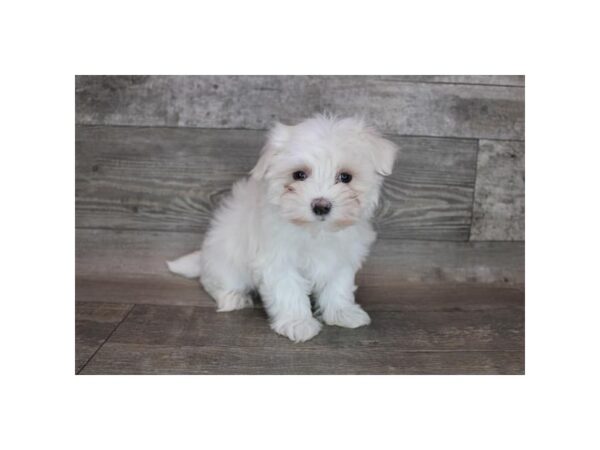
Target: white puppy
point(299, 225)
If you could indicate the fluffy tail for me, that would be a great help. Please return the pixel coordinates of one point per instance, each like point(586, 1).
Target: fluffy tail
point(187, 266)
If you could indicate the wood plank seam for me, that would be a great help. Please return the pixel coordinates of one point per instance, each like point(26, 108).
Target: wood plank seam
point(510, 86)
point(201, 233)
point(454, 83)
point(429, 136)
point(474, 186)
point(106, 339)
point(385, 78)
point(177, 127)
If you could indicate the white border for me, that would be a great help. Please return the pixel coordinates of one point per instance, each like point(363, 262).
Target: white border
point(46, 43)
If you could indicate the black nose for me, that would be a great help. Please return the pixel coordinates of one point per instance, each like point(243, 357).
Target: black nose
point(321, 207)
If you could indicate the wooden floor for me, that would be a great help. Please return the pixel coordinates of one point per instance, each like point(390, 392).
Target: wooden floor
point(442, 330)
point(444, 284)
point(437, 307)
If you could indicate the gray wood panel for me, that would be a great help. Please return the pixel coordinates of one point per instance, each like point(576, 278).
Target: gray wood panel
point(429, 194)
point(94, 322)
point(177, 291)
point(158, 178)
point(172, 179)
point(134, 255)
point(145, 359)
point(183, 326)
point(141, 290)
point(393, 104)
point(499, 205)
point(443, 297)
point(191, 340)
point(442, 262)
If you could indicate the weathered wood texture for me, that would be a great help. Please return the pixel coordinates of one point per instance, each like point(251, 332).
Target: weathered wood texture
point(134, 255)
point(398, 105)
point(142, 359)
point(499, 205)
point(94, 322)
point(173, 179)
point(441, 303)
point(167, 339)
point(398, 297)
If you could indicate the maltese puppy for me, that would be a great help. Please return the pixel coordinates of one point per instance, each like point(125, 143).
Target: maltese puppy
point(298, 226)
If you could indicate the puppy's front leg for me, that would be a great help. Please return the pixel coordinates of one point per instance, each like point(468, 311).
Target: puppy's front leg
point(336, 303)
point(285, 296)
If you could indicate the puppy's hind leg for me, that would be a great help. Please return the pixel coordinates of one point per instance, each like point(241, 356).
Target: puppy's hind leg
point(230, 300)
point(227, 292)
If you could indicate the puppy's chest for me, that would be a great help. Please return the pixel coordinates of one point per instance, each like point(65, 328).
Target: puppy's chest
point(315, 259)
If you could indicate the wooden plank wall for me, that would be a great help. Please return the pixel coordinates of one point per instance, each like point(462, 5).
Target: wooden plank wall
point(156, 155)
point(171, 179)
point(421, 106)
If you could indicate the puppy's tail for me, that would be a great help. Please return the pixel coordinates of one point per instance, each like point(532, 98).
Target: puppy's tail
point(187, 266)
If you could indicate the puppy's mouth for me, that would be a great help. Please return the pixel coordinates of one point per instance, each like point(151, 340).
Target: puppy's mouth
point(319, 224)
point(316, 221)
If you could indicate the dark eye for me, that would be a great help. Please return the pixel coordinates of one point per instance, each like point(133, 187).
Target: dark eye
point(299, 175)
point(345, 177)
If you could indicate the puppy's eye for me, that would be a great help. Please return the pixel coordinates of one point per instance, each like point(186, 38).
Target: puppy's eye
point(299, 175)
point(345, 177)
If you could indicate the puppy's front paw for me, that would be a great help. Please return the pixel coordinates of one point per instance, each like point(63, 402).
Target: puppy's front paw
point(298, 330)
point(349, 316)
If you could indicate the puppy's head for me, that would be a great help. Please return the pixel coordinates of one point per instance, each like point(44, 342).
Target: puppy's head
point(325, 172)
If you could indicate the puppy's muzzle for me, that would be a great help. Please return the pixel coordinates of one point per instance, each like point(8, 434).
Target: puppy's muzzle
point(320, 206)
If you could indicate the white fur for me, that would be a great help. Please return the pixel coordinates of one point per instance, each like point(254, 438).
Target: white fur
point(266, 237)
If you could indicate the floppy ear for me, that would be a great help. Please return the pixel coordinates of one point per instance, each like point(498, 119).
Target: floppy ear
point(383, 153)
point(278, 136)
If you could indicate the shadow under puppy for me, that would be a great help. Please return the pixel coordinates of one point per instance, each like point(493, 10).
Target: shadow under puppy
point(300, 224)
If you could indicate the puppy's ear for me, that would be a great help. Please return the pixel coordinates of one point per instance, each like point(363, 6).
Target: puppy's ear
point(278, 136)
point(383, 152)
